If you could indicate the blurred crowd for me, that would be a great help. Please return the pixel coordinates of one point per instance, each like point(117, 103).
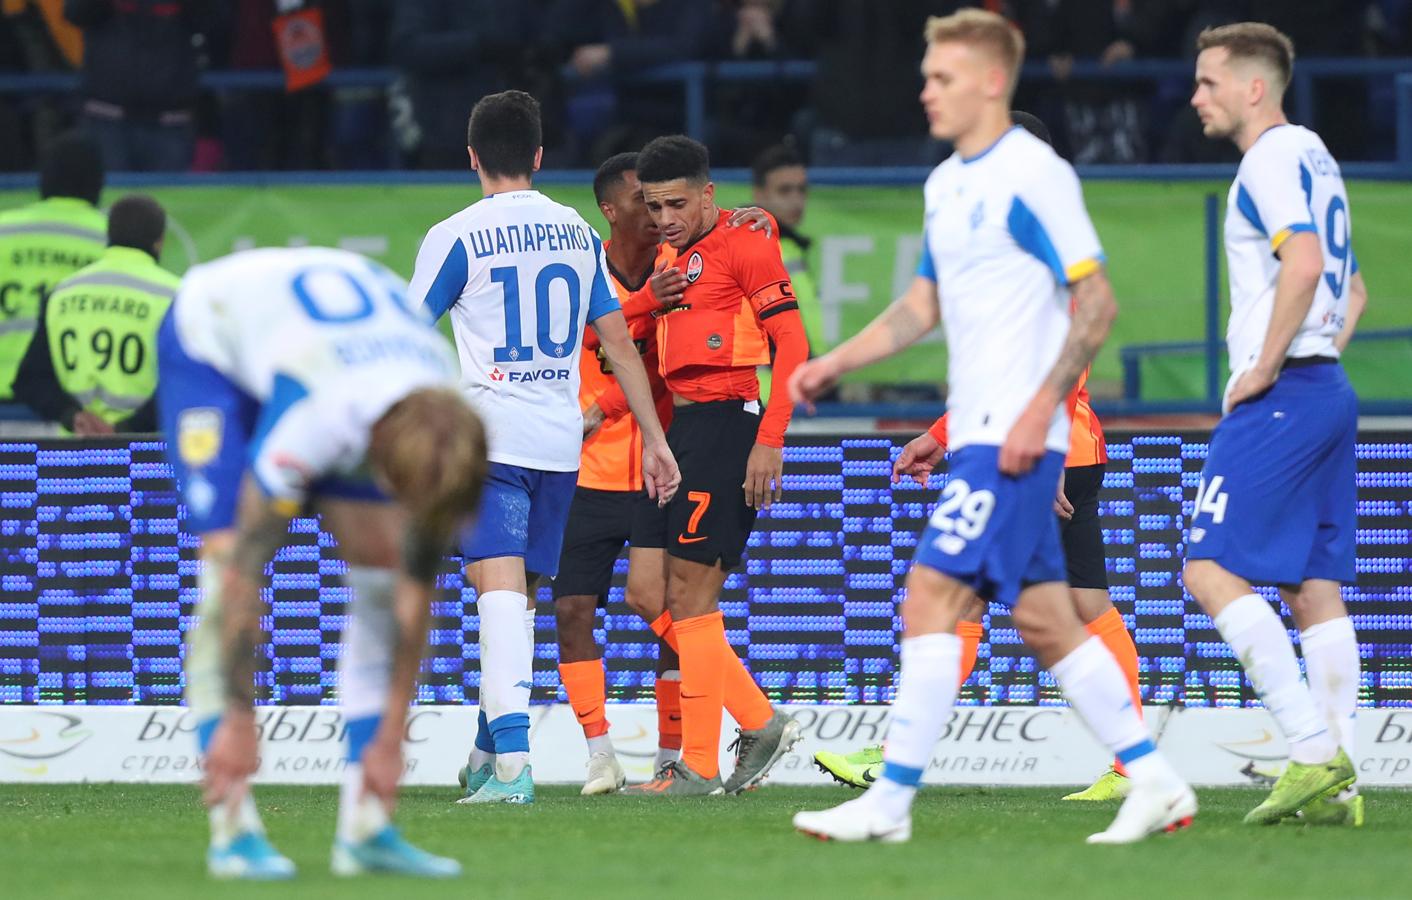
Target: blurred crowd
point(140, 94)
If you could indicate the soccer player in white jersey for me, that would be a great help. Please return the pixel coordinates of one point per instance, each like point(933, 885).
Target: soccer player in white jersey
point(521, 276)
point(1008, 242)
point(294, 379)
point(1276, 503)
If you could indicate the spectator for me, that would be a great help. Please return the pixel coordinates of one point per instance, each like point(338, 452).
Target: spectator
point(1102, 122)
point(751, 115)
point(608, 43)
point(140, 78)
point(45, 242)
point(93, 364)
point(34, 37)
point(453, 52)
point(279, 129)
point(864, 97)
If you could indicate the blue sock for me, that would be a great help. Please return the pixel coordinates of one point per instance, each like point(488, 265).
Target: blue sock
point(511, 733)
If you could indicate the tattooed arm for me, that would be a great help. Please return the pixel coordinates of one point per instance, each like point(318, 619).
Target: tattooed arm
point(1094, 312)
point(898, 327)
point(233, 755)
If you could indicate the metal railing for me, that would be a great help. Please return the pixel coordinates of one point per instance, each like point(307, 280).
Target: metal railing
point(696, 79)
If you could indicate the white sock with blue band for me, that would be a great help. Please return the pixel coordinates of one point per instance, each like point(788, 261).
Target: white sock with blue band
point(506, 667)
point(364, 676)
point(931, 665)
point(1262, 645)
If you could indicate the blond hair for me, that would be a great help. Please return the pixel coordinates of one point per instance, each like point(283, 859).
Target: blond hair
point(430, 448)
point(1253, 41)
point(988, 30)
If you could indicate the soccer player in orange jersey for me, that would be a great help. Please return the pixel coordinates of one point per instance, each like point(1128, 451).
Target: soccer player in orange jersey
point(710, 344)
point(610, 478)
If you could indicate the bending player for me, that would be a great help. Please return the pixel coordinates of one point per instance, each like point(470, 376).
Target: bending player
point(521, 276)
point(291, 377)
point(1082, 538)
point(1008, 248)
point(1276, 502)
point(646, 281)
point(731, 457)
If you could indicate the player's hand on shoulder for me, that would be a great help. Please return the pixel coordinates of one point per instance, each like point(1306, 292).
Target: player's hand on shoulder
point(811, 379)
point(668, 284)
point(660, 474)
point(1024, 445)
point(382, 768)
point(917, 460)
point(233, 757)
point(764, 476)
point(754, 217)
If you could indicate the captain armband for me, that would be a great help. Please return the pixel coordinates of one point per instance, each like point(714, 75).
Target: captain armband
point(774, 299)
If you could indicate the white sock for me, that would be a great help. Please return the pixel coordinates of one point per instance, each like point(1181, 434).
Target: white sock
point(205, 681)
point(600, 744)
point(507, 673)
point(529, 630)
point(1260, 642)
point(1333, 665)
point(1096, 689)
point(925, 696)
point(360, 815)
point(226, 824)
point(364, 677)
point(480, 758)
point(665, 755)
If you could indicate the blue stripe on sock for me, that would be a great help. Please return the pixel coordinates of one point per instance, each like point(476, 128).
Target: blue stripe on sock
point(511, 733)
point(903, 775)
point(1136, 751)
point(360, 734)
point(205, 730)
point(484, 742)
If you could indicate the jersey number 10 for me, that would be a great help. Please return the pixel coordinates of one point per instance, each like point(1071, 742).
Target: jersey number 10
point(515, 350)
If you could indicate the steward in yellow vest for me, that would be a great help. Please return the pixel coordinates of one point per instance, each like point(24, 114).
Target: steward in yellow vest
point(99, 330)
point(45, 242)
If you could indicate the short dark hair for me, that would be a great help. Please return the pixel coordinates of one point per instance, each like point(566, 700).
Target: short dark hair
point(672, 157)
point(1253, 40)
point(780, 156)
point(505, 133)
point(610, 174)
point(72, 166)
point(1033, 124)
point(137, 221)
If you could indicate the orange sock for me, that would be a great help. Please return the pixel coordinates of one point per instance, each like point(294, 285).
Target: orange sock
point(1109, 628)
point(668, 693)
point(701, 640)
point(970, 634)
point(584, 683)
point(746, 703)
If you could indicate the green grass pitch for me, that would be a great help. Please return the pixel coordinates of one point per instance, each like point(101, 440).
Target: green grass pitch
point(120, 841)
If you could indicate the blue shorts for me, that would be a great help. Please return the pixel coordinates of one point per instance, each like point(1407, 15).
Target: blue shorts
point(207, 421)
point(1278, 496)
point(523, 512)
point(211, 428)
point(995, 533)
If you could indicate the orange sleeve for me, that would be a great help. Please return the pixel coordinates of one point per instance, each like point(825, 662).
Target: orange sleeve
point(786, 331)
point(613, 401)
point(938, 430)
point(639, 303)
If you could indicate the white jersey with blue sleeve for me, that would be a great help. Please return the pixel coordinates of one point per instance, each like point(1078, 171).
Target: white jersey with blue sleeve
point(1287, 183)
point(1006, 233)
point(521, 277)
point(324, 341)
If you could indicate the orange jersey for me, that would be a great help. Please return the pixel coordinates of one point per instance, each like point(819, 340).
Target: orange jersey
point(1086, 446)
point(738, 299)
point(611, 459)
